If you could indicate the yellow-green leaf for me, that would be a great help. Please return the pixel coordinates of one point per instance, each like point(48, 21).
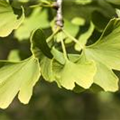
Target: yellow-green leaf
point(106, 53)
point(107, 49)
point(106, 78)
point(81, 72)
point(18, 77)
point(38, 19)
point(84, 37)
point(8, 19)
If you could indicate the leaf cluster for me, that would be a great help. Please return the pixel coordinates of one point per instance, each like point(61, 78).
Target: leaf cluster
point(83, 53)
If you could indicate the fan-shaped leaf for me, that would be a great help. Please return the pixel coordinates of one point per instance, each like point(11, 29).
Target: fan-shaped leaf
point(8, 20)
point(106, 53)
point(81, 72)
point(107, 48)
point(18, 77)
point(38, 19)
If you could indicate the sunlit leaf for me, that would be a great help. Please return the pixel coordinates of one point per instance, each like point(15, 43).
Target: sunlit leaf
point(46, 69)
point(58, 55)
point(84, 37)
point(106, 78)
point(8, 19)
point(14, 56)
point(78, 21)
point(106, 53)
point(81, 73)
point(38, 19)
point(71, 28)
point(18, 77)
point(107, 48)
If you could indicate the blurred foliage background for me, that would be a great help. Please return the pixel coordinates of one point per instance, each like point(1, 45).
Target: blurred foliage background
point(48, 101)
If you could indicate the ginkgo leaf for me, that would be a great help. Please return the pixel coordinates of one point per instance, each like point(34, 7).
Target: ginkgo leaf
point(39, 44)
point(106, 53)
point(70, 27)
point(46, 69)
point(107, 48)
point(106, 78)
point(84, 37)
point(8, 20)
point(46, 64)
point(38, 19)
point(18, 77)
point(81, 72)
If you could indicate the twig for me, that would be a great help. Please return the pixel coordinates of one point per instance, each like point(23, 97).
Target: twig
point(59, 17)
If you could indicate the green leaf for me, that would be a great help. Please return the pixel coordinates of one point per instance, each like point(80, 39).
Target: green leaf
point(81, 73)
point(14, 56)
point(106, 78)
point(39, 44)
point(18, 77)
point(78, 21)
point(46, 69)
point(8, 20)
point(85, 11)
point(70, 27)
point(58, 55)
point(38, 19)
point(84, 37)
point(106, 53)
point(107, 48)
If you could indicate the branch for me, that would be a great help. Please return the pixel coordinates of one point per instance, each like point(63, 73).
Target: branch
point(59, 17)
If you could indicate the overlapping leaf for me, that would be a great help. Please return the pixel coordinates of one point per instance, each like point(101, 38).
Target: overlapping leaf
point(84, 37)
point(8, 20)
point(39, 44)
point(94, 65)
point(65, 73)
point(81, 73)
point(106, 78)
point(37, 19)
point(46, 69)
point(18, 77)
point(41, 51)
point(107, 48)
point(106, 53)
